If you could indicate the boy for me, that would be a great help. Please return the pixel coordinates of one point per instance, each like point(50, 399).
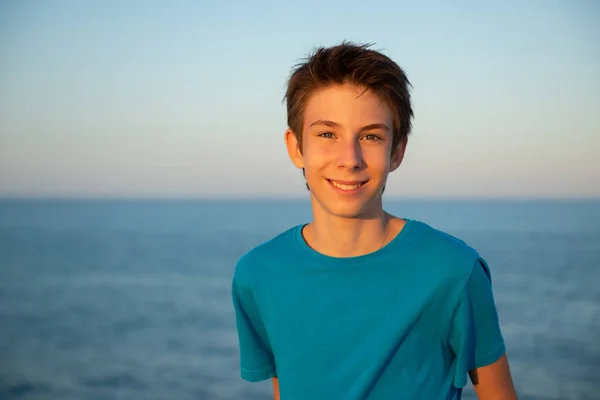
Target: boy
point(361, 304)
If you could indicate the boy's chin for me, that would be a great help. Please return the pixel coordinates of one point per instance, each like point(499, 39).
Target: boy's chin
point(355, 208)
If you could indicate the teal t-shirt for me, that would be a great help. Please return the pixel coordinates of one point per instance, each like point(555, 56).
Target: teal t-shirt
point(405, 322)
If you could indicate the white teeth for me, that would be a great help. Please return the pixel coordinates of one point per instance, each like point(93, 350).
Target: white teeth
point(345, 187)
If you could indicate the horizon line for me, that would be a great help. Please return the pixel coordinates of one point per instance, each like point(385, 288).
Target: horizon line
point(212, 198)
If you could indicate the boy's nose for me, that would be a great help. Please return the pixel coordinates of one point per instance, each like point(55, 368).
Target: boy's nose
point(350, 156)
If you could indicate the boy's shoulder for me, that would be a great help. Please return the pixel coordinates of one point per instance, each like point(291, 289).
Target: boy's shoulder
point(429, 237)
point(266, 253)
point(443, 251)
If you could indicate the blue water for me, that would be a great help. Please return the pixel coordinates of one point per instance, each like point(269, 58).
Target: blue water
point(130, 300)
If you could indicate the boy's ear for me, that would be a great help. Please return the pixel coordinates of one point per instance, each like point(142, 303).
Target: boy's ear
point(398, 155)
point(293, 148)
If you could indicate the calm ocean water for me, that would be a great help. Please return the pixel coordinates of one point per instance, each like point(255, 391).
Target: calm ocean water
point(130, 300)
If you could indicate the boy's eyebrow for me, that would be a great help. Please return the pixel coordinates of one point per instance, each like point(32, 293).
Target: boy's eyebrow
point(325, 122)
point(333, 124)
point(376, 126)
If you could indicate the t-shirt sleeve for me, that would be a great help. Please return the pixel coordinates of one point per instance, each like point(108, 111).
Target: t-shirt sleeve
point(256, 357)
point(475, 335)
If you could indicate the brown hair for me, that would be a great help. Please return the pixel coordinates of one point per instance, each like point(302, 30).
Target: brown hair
point(349, 63)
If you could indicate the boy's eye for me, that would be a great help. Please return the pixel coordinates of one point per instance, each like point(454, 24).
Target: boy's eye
point(372, 137)
point(327, 135)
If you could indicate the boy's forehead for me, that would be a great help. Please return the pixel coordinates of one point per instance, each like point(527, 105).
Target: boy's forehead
point(346, 104)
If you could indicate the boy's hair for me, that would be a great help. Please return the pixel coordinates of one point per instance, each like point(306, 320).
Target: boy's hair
point(349, 63)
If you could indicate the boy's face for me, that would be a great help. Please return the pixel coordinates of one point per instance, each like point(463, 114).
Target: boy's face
point(346, 150)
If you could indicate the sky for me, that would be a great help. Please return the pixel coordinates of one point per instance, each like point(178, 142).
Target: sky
point(185, 99)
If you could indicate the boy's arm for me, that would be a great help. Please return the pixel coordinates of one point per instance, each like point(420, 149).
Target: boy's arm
point(275, 388)
point(477, 340)
point(256, 356)
point(494, 382)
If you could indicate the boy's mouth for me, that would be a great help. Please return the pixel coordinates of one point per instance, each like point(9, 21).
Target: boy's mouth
point(346, 185)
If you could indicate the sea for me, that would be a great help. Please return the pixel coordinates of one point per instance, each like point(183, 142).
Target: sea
point(130, 299)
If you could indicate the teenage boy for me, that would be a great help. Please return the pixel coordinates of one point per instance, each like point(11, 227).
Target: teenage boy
point(358, 303)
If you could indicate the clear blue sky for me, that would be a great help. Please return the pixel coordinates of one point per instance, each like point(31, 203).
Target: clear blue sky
point(178, 99)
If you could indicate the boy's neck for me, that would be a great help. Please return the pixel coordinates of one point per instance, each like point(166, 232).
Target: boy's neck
point(351, 237)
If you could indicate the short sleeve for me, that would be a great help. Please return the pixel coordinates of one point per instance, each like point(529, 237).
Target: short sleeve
point(256, 357)
point(475, 335)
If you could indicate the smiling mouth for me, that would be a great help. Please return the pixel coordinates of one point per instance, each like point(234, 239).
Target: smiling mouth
point(347, 185)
